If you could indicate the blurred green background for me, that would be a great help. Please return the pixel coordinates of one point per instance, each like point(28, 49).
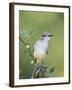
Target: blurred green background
point(37, 22)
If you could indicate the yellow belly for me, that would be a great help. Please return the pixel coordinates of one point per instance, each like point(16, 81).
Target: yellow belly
point(39, 56)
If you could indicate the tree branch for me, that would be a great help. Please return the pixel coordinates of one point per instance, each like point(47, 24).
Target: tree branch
point(30, 53)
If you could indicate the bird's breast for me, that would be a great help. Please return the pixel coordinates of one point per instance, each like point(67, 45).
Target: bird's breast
point(41, 46)
point(40, 50)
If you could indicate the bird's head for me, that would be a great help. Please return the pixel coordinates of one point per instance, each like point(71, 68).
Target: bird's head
point(46, 35)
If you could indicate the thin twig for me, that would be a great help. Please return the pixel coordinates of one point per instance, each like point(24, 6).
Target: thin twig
point(30, 53)
point(22, 40)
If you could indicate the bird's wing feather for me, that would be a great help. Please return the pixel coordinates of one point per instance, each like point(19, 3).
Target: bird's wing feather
point(47, 50)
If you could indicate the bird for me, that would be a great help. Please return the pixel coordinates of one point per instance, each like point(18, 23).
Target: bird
point(40, 48)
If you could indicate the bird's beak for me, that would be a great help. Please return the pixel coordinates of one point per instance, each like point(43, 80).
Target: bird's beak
point(50, 35)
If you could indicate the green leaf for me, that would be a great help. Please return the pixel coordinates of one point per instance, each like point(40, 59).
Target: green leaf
point(26, 33)
point(52, 70)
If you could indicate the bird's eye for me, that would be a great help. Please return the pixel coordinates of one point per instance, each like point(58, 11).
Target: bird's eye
point(43, 35)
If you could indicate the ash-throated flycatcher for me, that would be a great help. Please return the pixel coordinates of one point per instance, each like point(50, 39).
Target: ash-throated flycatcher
point(41, 47)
